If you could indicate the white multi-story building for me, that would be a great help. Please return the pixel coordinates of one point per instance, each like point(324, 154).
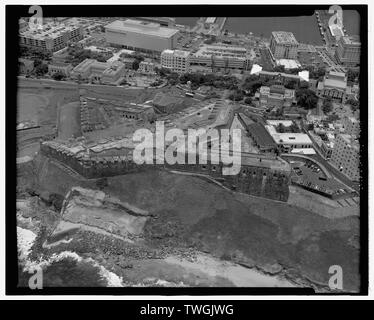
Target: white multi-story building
point(346, 156)
point(51, 37)
point(176, 60)
point(283, 45)
point(223, 56)
point(141, 35)
point(348, 51)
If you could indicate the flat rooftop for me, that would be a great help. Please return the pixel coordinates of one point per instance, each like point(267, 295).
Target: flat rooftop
point(49, 31)
point(177, 53)
point(284, 37)
point(288, 138)
point(141, 27)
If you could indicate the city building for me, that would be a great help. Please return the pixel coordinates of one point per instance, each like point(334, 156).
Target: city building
point(327, 146)
point(283, 45)
point(176, 60)
point(276, 96)
point(334, 86)
point(141, 35)
point(259, 135)
point(147, 67)
point(346, 156)
point(52, 37)
point(113, 73)
point(59, 67)
point(95, 71)
point(288, 141)
point(223, 56)
point(348, 51)
point(351, 126)
point(128, 62)
point(25, 66)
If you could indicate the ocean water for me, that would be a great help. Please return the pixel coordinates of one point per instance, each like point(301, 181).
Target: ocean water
point(304, 28)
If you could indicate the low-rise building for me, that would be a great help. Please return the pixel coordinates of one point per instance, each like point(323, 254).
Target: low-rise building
point(276, 96)
point(128, 62)
point(176, 60)
point(95, 71)
point(59, 67)
point(346, 156)
point(147, 67)
point(288, 141)
point(259, 135)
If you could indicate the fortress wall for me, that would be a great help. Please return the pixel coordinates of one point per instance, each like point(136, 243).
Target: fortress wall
point(253, 180)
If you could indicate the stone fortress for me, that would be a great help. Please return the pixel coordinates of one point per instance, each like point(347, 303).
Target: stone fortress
point(260, 175)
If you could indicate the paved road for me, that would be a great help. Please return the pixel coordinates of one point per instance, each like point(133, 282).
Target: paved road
point(337, 173)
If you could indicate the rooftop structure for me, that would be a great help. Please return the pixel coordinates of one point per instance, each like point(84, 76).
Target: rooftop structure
point(288, 141)
point(288, 63)
point(284, 37)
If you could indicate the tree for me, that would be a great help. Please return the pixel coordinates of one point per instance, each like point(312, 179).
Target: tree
point(353, 75)
point(279, 68)
point(281, 128)
point(294, 128)
point(291, 84)
point(248, 100)
point(353, 103)
point(58, 76)
point(41, 69)
point(327, 106)
point(306, 99)
point(236, 96)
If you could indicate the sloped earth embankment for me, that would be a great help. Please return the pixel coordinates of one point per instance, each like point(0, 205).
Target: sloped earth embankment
point(188, 215)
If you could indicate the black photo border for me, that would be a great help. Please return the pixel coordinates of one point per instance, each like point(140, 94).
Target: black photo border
point(14, 12)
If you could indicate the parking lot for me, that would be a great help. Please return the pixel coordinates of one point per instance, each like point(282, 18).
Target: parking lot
point(310, 176)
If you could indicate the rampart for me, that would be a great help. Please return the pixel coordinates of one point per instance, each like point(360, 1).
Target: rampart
point(260, 175)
